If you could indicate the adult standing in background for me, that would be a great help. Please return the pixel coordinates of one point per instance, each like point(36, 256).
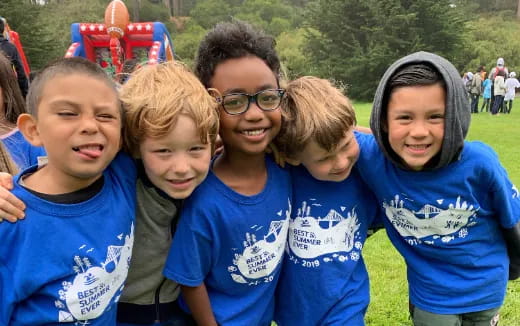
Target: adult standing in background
point(475, 90)
point(494, 72)
point(511, 85)
point(483, 72)
point(500, 90)
point(12, 54)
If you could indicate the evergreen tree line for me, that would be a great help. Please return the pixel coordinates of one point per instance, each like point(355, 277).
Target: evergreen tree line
point(349, 41)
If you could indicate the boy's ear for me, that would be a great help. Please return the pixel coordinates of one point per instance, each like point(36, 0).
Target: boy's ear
point(216, 94)
point(27, 125)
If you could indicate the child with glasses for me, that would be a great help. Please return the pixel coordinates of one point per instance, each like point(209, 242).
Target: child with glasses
point(333, 210)
point(230, 241)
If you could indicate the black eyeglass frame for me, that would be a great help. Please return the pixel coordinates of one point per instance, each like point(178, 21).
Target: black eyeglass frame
point(250, 98)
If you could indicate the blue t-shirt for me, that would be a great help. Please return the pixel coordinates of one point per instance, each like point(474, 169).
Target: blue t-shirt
point(324, 280)
point(234, 244)
point(68, 263)
point(22, 153)
point(447, 225)
point(486, 84)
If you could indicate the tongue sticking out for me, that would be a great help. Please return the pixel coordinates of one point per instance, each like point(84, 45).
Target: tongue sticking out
point(90, 151)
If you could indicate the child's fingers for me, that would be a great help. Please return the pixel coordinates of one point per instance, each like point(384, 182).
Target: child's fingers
point(11, 208)
point(8, 217)
point(6, 180)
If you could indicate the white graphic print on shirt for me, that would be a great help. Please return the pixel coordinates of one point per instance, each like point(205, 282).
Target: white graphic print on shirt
point(260, 258)
point(332, 235)
point(431, 220)
point(94, 287)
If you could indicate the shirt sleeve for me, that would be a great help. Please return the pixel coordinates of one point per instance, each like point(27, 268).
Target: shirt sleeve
point(505, 198)
point(190, 258)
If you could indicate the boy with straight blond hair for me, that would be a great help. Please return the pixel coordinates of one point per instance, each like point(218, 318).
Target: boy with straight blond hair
point(171, 123)
point(332, 212)
point(71, 255)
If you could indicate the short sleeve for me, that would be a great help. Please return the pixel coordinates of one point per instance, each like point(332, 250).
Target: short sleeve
point(189, 260)
point(506, 199)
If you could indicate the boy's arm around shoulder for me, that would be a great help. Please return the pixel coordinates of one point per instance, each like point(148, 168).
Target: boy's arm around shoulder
point(124, 167)
point(11, 208)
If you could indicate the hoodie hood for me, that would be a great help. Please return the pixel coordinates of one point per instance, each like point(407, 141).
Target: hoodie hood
point(456, 118)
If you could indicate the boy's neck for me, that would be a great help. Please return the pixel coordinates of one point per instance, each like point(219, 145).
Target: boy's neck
point(45, 182)
point(245, 174)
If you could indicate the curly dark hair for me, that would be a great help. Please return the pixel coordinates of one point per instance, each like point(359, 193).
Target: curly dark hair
point(231, 40)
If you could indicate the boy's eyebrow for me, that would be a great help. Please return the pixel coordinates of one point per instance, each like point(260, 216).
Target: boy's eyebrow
point(408, 110)
point(74, 104)
point(64, 101)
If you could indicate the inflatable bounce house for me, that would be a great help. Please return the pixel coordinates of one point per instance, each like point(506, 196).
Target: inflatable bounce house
point(13, 37)
point(118, 40)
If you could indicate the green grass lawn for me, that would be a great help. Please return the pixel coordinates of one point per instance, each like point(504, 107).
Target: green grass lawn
point(389, 292)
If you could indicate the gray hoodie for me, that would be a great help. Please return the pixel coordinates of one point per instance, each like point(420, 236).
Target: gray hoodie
point(457, 115)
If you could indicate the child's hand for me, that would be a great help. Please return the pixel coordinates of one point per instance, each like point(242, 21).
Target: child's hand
point(11, 208)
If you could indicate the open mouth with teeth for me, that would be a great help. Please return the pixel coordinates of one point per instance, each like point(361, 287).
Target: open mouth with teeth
point(90, 151)
point(418, 147)
point(256, 132)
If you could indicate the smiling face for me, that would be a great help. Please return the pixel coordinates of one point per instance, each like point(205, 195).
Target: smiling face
point(334, 165)
point(415, 122)
point(79, 124)
point(251, 131)
point(177, 162)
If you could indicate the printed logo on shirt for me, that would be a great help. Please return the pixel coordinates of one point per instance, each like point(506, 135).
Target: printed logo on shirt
point(431, 220)
point(334, 236)
point(516, 194)
point(94, 287)
point(262, 253)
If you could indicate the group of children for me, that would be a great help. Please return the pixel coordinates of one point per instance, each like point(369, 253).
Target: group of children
point(254, 242)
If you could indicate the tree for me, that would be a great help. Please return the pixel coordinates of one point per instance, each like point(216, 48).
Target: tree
point(36, 42)
point(209, 12)
point(354, 41)
point(518, 10)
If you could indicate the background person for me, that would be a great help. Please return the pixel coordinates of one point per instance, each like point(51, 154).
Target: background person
point(11, 52)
